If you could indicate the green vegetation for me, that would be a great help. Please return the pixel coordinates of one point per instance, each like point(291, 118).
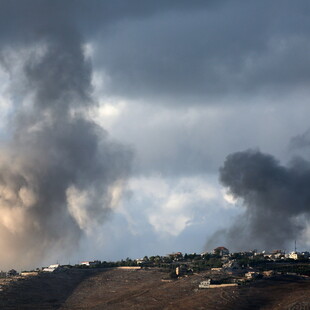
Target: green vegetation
point(190, 262)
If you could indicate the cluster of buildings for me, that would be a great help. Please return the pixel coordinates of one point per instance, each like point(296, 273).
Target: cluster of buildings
point(232, 273)
point(218, 260)
point(10, 273)
point(235, 268)
point(58, 267)
point(90, 263)
point(273, 255)
point(50, 268)
point(223, 253)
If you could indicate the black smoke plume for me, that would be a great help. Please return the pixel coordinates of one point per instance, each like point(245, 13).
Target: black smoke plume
point(276, 200)
point(60, 173)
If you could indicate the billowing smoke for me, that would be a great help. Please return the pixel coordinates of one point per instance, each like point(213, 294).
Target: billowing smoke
point(276, 200)
point(60, 173)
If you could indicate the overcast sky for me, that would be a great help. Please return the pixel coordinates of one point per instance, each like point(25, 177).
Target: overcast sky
point(175, 87)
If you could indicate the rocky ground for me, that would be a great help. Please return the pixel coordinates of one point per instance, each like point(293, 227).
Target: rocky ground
point(144, 289)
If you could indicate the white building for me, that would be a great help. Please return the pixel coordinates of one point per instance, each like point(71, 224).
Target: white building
point(140, 261)
point(294, 255)
point(205, 284)
point(51, 268)
point(89, 263)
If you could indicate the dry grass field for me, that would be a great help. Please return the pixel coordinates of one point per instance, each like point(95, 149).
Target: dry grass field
point(144, 289)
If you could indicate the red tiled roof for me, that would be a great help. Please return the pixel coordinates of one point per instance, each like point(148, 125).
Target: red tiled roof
point(221, 248)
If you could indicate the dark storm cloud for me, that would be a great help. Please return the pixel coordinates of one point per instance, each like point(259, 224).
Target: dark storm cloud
point(235, 47)
point(276, 199)
point(18, 17)
point(179, 50)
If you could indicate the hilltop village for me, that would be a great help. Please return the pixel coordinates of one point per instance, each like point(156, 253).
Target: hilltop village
point(220, 266)
point(216, 280)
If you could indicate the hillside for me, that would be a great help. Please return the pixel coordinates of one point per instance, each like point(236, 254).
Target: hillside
point(144, 289)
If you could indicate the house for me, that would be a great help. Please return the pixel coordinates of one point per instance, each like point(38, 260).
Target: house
point(221, 251)
point(267, 255)
point(231, 265)
point(12, 273)
point(139, 261)
point(29, 273)
point(89, 263)
point(205, 284)
point(278, 254)
point(274, 255)
point(51, 268)
point(217, 269)
point(268, 273)
point(294, 255)
point(176, 256)
point(251, 275)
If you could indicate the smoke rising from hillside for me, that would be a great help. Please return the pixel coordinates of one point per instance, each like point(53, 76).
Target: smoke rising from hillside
point(60, 173)
point(276, 199)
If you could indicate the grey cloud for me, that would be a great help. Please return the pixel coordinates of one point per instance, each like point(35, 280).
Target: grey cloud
point(60, 174)
point(275, 197)
point(187, 52)
point(299, 145)
point(301, 141)
point(193, 56)
point(19, 17)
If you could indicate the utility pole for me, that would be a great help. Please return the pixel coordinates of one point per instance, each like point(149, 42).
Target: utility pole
point(295, 247)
